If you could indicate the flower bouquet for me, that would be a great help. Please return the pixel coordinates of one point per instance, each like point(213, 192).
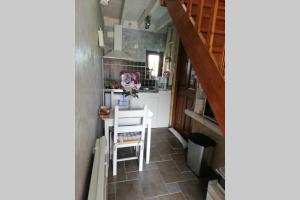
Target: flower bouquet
point(130, 81)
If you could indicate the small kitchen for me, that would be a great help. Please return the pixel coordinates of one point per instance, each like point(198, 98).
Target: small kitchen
point(142, 56)
point(150, 104)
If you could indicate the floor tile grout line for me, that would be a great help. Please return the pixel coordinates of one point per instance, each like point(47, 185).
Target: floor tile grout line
point(162, 195)
point(163, 180)
point(126, 177)
point(177, 185)
point(156, 164)
point(116, 192)
point(184, 196)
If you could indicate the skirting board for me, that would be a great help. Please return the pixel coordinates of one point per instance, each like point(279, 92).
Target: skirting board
point(179, 137)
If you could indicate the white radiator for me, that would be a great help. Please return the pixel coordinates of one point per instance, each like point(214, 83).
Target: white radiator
point(98, 184)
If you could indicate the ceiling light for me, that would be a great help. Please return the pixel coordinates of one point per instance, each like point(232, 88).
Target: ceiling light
point(104, 2)
point(147, 22)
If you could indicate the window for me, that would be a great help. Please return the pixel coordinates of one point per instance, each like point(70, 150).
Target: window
point(154, 62)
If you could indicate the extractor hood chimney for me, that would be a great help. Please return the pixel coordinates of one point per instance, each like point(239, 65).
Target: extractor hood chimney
point(117, 52)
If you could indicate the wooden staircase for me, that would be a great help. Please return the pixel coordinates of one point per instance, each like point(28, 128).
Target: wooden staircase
point(201, 27)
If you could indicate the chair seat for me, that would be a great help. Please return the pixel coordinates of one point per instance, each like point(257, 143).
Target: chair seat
point(130, 137)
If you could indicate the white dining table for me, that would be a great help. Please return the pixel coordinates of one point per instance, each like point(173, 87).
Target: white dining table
point(109, 122)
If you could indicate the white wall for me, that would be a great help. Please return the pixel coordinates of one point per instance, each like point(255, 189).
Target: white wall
point(88, 88)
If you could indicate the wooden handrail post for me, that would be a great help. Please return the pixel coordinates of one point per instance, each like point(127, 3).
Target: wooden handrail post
point(190, 5)
point(212, 25)
point(199, 15)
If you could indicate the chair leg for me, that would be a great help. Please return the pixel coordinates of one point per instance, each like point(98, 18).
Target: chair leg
point(111, 146)
point(115, 161)
point(141, 159)
point(137, 149)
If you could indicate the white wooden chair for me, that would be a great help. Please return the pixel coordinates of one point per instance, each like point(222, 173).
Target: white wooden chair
point(129, 131)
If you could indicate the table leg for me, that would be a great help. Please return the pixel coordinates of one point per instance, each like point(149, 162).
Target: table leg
point(106, 134)
point(148, 142)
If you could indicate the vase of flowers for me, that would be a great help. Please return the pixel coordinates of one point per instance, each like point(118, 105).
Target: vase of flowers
point(131, 85)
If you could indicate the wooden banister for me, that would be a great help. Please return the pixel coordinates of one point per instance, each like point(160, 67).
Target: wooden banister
point(208, 73)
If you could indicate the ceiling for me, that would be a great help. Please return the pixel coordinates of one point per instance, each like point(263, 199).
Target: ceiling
point(158, 13)
point(113, 9)
point(136, 10)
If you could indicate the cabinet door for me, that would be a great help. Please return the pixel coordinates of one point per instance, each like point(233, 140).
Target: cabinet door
point(151, 100)
point(163, 116)
point(184, 95)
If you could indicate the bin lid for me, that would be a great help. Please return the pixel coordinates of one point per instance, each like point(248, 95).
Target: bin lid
point(201, 139)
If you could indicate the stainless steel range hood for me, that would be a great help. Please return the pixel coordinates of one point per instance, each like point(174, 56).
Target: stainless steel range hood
point(117, 52)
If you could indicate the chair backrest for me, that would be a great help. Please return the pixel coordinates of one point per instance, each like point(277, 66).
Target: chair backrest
point(126, 120)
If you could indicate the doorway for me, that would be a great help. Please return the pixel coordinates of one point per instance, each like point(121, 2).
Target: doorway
point(154, 64)
point(184, 93)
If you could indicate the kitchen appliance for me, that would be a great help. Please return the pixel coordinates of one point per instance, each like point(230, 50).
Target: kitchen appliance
point(117, 51)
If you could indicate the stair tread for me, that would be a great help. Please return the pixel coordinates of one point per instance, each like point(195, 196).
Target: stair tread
point(220, 17)
point(221, 7)
point(216, 31)
point(205, 5)
point(217, 50)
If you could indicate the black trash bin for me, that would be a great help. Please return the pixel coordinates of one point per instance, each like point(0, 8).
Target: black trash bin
point(200, 151)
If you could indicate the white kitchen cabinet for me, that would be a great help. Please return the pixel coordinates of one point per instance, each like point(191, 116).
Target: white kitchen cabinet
point(151, 100)
point(163, 108)
point(158, 103)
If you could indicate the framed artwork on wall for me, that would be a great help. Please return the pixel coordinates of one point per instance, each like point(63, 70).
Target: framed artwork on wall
point(199, 103)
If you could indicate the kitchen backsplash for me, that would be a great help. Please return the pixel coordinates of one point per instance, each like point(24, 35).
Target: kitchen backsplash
point(113, 67)
point(148, 83)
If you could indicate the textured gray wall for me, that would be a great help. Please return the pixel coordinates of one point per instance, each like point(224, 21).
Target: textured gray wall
point(136, 42)
point(88, 89)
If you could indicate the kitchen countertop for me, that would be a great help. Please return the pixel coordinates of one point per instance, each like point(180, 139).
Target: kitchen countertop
point(140, 91)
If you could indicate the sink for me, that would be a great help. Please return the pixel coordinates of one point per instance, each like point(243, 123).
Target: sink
point(148, 89)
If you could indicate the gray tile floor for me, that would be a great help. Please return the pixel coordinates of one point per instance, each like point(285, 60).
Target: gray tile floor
point(166, 177)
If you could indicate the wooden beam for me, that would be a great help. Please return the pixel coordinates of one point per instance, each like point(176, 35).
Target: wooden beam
point(207, 72)
point(123, 12)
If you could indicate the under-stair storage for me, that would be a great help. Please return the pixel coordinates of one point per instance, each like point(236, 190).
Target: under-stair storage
point(201, 27)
